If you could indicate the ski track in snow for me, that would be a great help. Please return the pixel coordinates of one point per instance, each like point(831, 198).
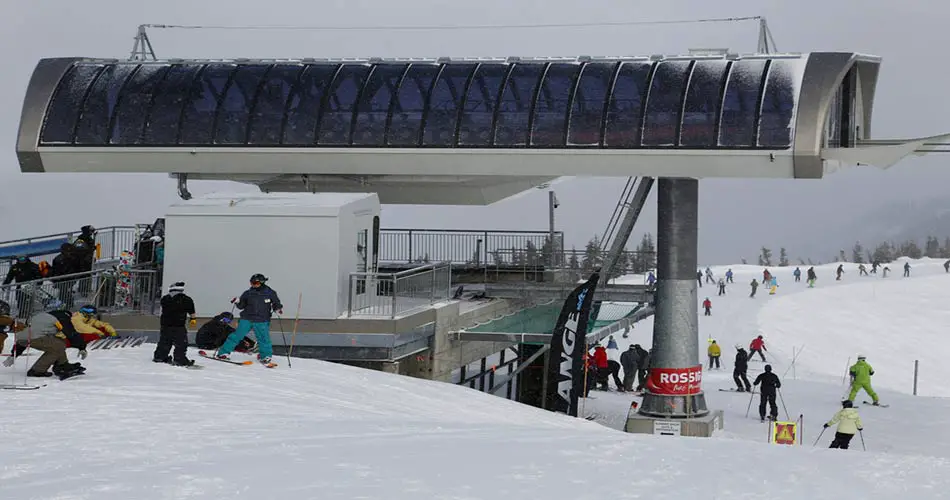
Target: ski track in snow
point(131, 429)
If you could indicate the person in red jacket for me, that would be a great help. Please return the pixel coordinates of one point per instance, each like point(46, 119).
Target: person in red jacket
point(707, 305)
point(757, 346)
point(602, 364)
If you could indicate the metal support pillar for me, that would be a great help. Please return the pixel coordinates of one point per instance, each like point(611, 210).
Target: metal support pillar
point(552, 245)
point(183, 187)
point(676, 328)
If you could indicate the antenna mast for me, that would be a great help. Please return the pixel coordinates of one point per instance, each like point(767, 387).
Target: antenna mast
point(142, 49)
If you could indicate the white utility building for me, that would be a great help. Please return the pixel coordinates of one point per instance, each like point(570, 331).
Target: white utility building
point(303, 243)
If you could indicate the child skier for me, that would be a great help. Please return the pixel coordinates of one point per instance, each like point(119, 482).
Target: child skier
point(861, 379)
point(722, 287)
point(714, 353)
point(257, 304)
point(849, 424)
point(707, 305)
point(740, 370)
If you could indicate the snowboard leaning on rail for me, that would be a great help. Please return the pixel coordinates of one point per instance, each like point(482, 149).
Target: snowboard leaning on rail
point(204, 354)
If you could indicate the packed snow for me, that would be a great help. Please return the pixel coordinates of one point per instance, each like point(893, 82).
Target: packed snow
point(132, 429)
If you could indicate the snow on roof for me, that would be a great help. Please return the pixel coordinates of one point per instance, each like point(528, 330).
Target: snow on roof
point(316, 204)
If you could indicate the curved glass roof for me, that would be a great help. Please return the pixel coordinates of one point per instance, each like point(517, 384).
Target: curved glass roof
point(698, 103)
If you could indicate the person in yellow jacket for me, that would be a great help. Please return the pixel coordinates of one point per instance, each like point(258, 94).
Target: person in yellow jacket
point(85, 322)
point(861, 379)
point(849, 424)
point(714, 352)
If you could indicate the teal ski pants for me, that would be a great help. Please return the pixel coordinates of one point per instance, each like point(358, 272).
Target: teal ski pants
point(261, 332)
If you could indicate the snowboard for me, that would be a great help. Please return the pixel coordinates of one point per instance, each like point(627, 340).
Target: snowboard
point(19, 387)
point(881, 405)
point(204, 354)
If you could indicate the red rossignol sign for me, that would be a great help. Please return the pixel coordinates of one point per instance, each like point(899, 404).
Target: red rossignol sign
point(675, 381)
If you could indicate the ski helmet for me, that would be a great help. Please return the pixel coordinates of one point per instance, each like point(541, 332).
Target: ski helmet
point(178, 286)
point(258, 278)
point(861, 356)
point(847, 403)
point(88, 310)
point(4, 308)
point(226, 317)
point(738, 347)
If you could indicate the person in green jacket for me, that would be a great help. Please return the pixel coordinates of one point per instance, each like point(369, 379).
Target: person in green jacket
point(861, 379)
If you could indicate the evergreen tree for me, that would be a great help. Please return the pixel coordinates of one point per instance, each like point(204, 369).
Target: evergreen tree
point(945, 251)
point(573, 262)
point(782, 257)
point(532, 257)
point(857, 253)
point(910, 249)
point(646, 253)
point(841, 257)
point(932, 247)
point(765, 258)
point(593, 257)
point(517, 257)
point(497, 257)
point(882, 253)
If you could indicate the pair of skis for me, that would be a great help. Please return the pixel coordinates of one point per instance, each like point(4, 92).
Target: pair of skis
point(204, 354)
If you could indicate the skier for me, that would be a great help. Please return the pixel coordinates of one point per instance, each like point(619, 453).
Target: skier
point(757, 346)
point(861, 379)
point(176, 306)
point(212, 334)
point(907, 269)
point(55, 332)
point(709, 275)
point(611, 343)
point(699, 278)
point(714, 352)
point(886, 269)
point(257, 304)
point(740, 370)
point(722, 287)
point(862, 271)
point(755, 286)
point(839, 272)
point(628, 361)
point(770, 384)
point(874, 266)
point(946, 266)
point(812, 277)
point(773, 285)
point(849, 424)
point(651, 279)
point(643, 363)
point(707, 305)
point(729, 276)
point(797, 273)
point(8, 324)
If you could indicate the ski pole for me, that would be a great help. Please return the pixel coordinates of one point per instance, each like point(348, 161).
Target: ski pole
point(749, 408)
point(782, 399)
point(293, 336)
point(861, 433)
point(280, 322)
point(819, 436)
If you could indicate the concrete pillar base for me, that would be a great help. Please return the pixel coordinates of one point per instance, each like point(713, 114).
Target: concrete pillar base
point(693, 405)
point(705, 426)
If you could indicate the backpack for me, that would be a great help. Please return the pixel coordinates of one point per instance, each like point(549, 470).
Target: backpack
point(44, 268)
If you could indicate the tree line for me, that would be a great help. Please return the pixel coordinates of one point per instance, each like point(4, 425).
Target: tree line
point(882, 253)
point(639, 260)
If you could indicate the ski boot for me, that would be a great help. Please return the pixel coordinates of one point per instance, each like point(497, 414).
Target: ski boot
point(184, 362)
point(266, 361)
point(68, 370)
point(166, 359)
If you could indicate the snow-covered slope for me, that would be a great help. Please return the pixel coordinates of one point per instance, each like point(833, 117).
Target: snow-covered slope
point(131, 429)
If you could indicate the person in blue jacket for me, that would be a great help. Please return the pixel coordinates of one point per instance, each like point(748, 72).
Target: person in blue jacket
point(798, 274)
point(257, 304)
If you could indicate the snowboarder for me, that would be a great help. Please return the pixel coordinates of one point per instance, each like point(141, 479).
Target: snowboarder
point(714, 353)
point(797, 273)
point(257, 304)
point(757, 346)
point(611, 343)
point(874, 266)
point(839, 272)
point(707, 305)
point(766, 276)
point(86, 323)
point(709, 275)
point(699, 278)
point(862, 271)
point(651, 279)
point(729, 276)
point(212, 334)
point(722, 287)
point(176, 306)
point(861, 379)
point(773, 285)
point(51, 333)
point(886, 269)
point(907, 269)
point(849, 424)
point(755, 286)
point(812, 277)
point(740, 370)
point(770, 384)
point(628, 361)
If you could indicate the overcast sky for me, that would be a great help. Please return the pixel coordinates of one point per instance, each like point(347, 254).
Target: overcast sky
point(810, 218)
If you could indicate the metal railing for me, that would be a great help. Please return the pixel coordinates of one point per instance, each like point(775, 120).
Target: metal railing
point(393, 294)
point(110, 241)
point(571, 265)
point(112, 291)
point(459, 247)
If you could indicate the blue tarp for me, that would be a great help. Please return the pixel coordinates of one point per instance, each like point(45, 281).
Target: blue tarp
point(46, 247)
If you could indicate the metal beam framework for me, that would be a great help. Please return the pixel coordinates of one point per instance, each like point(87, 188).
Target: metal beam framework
point(544, 291)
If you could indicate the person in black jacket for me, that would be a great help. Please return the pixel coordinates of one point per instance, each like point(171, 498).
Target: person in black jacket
point(770, 384)
point(257, 304)
point(212, 334)
point(739, 372)
point(628, 361)
point(176, 308)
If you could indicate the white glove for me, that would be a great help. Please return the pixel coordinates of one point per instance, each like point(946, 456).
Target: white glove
point(83, 354)
point(8, 362)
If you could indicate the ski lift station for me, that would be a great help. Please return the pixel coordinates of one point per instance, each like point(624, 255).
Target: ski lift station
point(328, 141)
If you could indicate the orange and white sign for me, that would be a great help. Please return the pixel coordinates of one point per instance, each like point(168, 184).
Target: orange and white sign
point(785, 433)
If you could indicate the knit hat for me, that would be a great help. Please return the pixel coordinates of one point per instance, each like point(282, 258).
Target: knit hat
point(177, 287)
